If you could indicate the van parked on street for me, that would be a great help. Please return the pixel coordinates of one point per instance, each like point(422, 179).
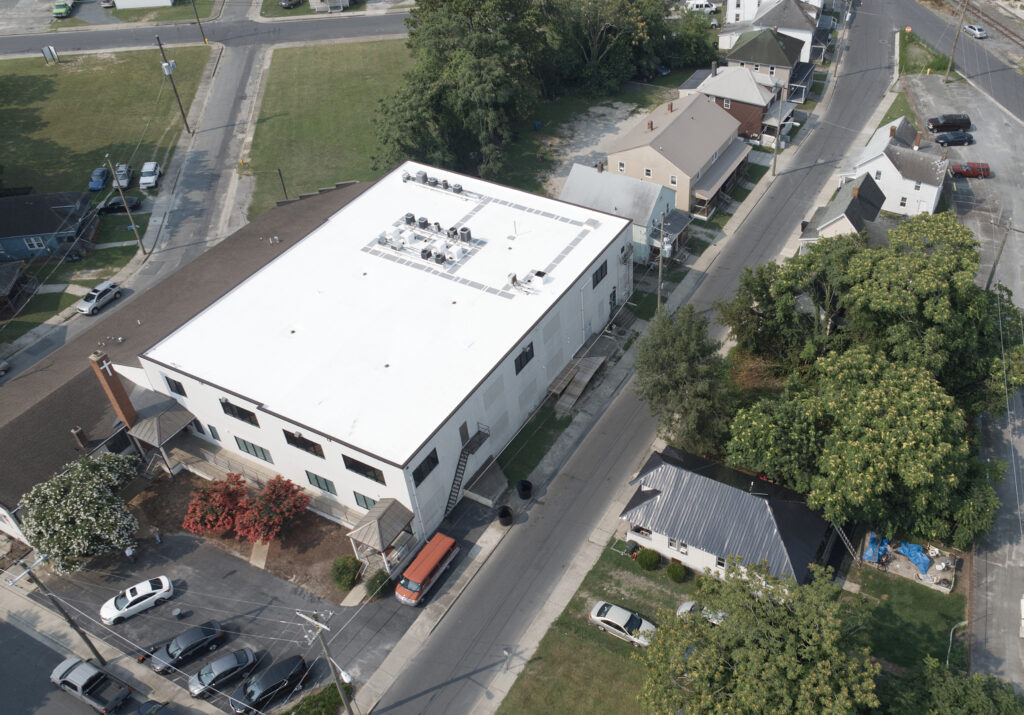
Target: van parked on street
point(703, 6)
point(426, 569)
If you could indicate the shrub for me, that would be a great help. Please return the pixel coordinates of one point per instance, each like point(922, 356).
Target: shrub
point(648, 559)
point(325, 702)
point(345, 571)
point(213, 508)
point(676, 572)
point(261, 519)
point(377, 585)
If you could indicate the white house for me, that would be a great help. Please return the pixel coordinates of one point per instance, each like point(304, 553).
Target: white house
point(799, 20)
point(700, 513)
point(853, 209)
point(910, 175)
point(651, 207)
point(396, 348)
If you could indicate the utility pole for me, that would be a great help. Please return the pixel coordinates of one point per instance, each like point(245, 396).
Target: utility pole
point(320, 628)
point(661, 255)
point(283, 187)
point(56, 604)
point(169, 67)
point(124, 202)
point(778, 134)
point(205, 41)
point(956, 37)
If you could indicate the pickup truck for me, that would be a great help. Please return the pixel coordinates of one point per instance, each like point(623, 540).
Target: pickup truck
point(62, 8)
point(972, 169)
point(96, 688)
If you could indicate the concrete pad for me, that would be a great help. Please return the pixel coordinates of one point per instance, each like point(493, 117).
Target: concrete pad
point(52, 288)
point(356, 596)
point(258, 557)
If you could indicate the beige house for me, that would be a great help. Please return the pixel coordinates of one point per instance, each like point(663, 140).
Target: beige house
point(690, 145)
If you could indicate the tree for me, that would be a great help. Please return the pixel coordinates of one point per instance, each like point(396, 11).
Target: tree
point(77, 514)
point(261, 519)
point(213, 507)
point(763, 322)
point(935, 690)
point(681, 376)
point(780, 648)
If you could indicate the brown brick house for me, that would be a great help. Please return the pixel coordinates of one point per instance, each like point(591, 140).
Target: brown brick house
point(752, 98)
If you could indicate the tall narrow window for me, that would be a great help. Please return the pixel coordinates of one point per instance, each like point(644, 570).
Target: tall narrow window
point(726, 103)
point(306, 445)
point(622, 166)
point(648, 173)
point(213, 432)
point(524, 357)
point(366, 470)
point(425, 467)
point(174, 386)
point(672, 180)
point(239, 413)
point(253, 449)
point(600, 273)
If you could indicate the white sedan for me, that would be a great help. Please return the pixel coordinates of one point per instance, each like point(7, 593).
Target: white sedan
point(138, 598)
point(628, 626)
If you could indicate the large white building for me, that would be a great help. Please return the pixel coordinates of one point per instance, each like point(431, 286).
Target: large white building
point(399, 346)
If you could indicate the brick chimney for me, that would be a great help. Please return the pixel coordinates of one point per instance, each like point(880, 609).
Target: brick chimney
point(917, 141)
point(853, 193)
point(892, 131)
point(111, 383)
point(714, 69)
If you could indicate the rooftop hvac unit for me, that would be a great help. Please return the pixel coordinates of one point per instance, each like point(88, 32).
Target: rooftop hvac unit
point(425, 252)
point(512, 279)
point(457, 188)
point(410, 218)
point(408, 236)
point(382, 239)
point(454, 252)
point(437, 227)
point(395, 233)
point(422, 222)
point(465, 234)
point(452, 232)
point(406, 176)
point(439, 258)
point(431, 181)
point(421, 176)
point(444, 183)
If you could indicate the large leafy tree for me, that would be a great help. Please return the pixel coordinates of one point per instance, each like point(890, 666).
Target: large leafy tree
point(78, 514)
point(780, 648)
point(681, 376)
point(933, 689)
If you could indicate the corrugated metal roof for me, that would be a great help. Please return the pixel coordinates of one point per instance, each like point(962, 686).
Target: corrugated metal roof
point(757, 523)
point(162, 422)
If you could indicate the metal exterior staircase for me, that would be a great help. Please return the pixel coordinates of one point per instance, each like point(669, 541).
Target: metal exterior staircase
point(468, 449)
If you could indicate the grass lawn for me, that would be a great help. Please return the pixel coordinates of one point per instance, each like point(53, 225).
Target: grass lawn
point(325, 702)
point(756, 172)
point(739, 194)
point(718, 220)
point(524, 452)
point(320, 131)
point(910, 621)
point(38, 310)
point(115, 228)
point(181, 10)
point(900, 107)
point(101, 265)
point(917, 57)
point(60, 120)
point(696, 246)
point(65, 22)
point(577, 668)
point(644, 305)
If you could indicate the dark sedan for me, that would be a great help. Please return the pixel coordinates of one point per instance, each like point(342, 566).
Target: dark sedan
point(957, 138)
point(279, 680)
point(114, 205)
point(215, 674)
point(99, 178)
point(187, 645)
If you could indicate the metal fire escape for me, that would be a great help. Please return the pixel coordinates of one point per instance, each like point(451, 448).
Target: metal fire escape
point(468, 449)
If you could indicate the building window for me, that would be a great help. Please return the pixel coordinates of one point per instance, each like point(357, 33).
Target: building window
point(297, 440)
point(253, 449)
point(239, 413)
point(757, 67)
point(878, 175)
point(198, 426)
point(720, 562)
point(430, 461)
point(647, 173)
point(364, 501)
point(35, 243)
point(742, 64)
point(737, 20)
point(726, 103)
point(677, 545)
point(522, 359)
point(917, 186)
point(600, 273)
point(320, 483)
point(672, 181)
point(354, 465)
point(771, 70)
point(174, 386)
point(622, 166)
point(903, 201)
point(213, 432)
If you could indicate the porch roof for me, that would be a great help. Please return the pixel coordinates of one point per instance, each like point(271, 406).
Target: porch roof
point(382, 524)
point(712, 181)
point(771, 117)
point(158, 423)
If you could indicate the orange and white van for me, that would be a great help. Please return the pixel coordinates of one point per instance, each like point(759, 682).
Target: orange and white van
point(426, 568)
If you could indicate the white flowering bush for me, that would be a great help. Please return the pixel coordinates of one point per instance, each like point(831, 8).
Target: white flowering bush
point(78, 514)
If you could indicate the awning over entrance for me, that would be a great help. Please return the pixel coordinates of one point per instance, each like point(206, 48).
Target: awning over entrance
point(771, 119)
point(721, 170)
point(382, 524)
point(158, 423)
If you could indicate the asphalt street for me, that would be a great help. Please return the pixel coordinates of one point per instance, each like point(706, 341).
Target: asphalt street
point(27, 667)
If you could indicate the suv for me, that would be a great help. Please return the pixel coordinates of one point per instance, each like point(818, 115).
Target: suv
point(95, 299)
point(150, 175)
point(971, 169)
point(949, 123)
point(283, 677)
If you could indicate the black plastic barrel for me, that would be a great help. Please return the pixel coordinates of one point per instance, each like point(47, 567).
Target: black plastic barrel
point(505, 516)
point(524, 488)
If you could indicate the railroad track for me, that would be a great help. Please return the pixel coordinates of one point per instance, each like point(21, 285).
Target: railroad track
point(974, 10)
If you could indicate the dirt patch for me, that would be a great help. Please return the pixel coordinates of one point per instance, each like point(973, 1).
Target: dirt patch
point(302, 555)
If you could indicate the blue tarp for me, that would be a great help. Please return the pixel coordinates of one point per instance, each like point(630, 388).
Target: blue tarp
point(877, 548)
point(917, 556)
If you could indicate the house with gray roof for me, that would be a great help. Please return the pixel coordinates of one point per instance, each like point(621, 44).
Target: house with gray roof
point(34, 225)
point(699, 513)
point(911, 175)
point(651, 207)
point(775, 54)
point(753, 98)
point(853, 209)
point(690, 145)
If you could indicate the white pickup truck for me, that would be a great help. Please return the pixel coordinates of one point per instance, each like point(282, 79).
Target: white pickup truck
point(96, 688)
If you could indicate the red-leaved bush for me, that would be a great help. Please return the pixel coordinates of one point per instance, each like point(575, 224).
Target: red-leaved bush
point(259, 520)
point(214, 508)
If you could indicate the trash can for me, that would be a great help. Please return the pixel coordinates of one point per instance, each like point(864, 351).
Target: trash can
point(524, 488)
point(536, 126)
point(505, 516)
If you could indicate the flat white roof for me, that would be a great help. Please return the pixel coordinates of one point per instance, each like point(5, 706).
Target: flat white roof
point(355, 333)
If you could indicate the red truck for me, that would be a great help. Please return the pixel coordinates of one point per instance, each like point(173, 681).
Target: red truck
point(970, 169)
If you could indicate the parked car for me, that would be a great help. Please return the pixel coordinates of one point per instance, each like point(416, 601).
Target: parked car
point(91, 304)
point(114, 205)
point(150, 175)
point(215, 674)
point(976, 31)
point(289, 4)
point(971, 169)
point(62, 8)
point(99, 178)
point(282, 678)
point(123, 176)
point(686, 607)
point(186, 646)
point(144, 595)
point(957, 138)
point(627, 625)
point(93, 686)
point(106, 3)
point(949, 123)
